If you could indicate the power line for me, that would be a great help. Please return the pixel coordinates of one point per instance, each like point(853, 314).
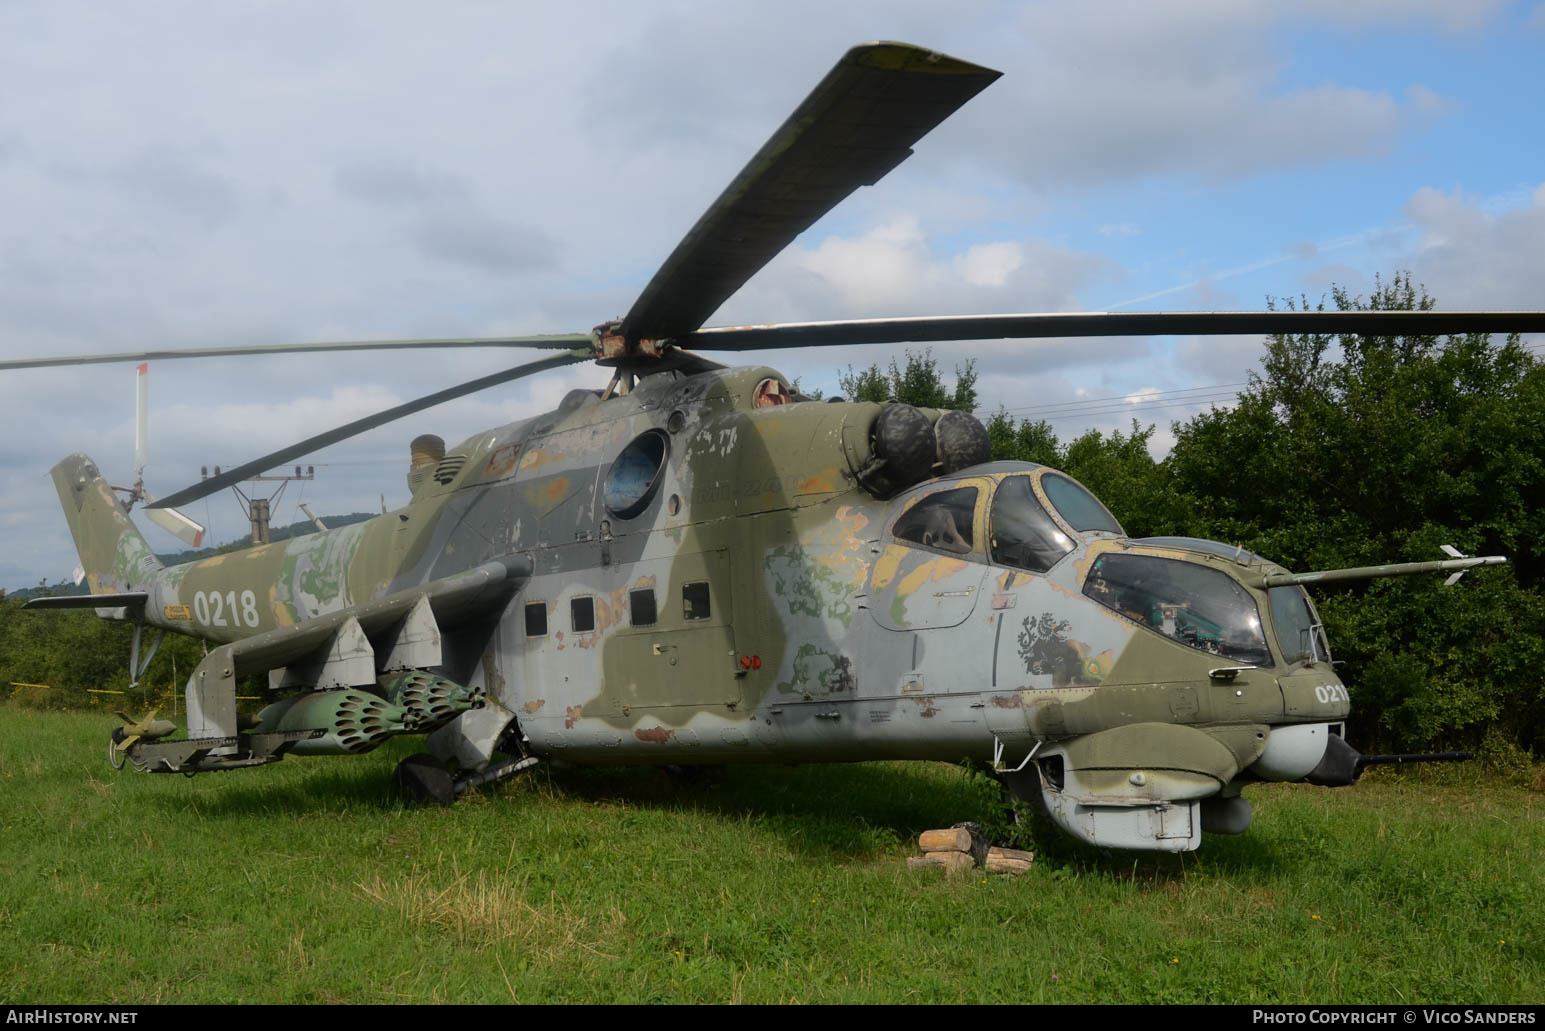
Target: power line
point(1156, 401)
point(1140, 398)
point(1140, 407)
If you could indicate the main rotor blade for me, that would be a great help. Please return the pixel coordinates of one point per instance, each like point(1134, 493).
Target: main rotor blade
point(370, 422)
point(856, 125)
point(560, 342)
point(928, 329)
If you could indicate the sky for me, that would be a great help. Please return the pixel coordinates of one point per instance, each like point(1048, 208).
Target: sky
point(201, 175)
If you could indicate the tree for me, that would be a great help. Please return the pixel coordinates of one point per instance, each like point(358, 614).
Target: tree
point(1354, 450)
point(918, 384)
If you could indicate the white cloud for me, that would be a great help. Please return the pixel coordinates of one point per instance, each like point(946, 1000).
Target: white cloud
point(989, 264)
point(1429, 103)
point(879, 271)
point(898, 268)
point(1471, 255)
point(1112, 91)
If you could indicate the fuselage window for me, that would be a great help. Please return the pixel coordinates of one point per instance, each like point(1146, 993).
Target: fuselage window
point(635, 475)
point(582, 614)
point(536, 619)
point(944, 521)
point(694, 600)
point(1020, 532)
point(641, 606)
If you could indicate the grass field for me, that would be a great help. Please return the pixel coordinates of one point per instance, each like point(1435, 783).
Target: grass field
point(304, 882)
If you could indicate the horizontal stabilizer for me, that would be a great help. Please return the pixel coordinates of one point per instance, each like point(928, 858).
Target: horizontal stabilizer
point(132, 599)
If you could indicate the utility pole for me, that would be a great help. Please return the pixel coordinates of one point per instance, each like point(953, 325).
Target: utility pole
point(259, 509)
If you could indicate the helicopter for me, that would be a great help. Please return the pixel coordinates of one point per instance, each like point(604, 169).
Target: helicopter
point(697, 565)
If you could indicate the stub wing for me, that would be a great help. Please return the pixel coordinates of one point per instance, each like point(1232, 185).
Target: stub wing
point(400, 631)
point(442, 625)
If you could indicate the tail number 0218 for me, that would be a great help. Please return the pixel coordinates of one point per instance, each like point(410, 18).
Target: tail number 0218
point(212, 608)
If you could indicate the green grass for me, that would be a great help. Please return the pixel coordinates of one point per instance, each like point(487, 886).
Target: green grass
point(304, 882)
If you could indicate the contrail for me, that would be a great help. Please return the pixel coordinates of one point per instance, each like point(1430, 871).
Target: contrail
point(1333, 245)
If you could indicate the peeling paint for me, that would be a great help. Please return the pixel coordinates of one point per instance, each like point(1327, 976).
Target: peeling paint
point(501, 462)
point(535, 458)
point(548, 493)
point(825, 481)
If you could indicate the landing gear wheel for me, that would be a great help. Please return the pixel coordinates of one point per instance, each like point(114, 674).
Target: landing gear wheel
point(423, 780)
point(115, 757)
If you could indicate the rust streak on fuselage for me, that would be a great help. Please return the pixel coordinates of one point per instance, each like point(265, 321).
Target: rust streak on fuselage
point(550, 493)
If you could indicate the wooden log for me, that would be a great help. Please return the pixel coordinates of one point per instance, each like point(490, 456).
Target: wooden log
point(955, 839)
point(955, 864)
point(1010, 861)
point(1011, 853)
point(1012, 867)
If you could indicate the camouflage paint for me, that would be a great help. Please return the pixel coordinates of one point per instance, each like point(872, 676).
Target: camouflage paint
point(824, 637)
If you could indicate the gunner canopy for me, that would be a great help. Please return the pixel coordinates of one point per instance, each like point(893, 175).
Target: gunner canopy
point(1199, 607)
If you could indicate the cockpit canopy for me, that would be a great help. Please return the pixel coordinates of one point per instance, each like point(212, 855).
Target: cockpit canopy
point(1016, 515)
point(1295, 624)
point(1028, 517)
point(1201, 608)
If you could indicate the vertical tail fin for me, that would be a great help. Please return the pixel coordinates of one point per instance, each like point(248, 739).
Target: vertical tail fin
point(112, 552)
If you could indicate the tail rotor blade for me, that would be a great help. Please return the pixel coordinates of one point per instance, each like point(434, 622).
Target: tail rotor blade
point(174, 522)
point(141, 421)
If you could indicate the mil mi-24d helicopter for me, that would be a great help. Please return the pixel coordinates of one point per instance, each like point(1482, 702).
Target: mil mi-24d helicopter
point(696, 565)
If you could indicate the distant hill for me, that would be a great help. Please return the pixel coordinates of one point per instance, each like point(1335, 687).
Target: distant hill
point(275, 533)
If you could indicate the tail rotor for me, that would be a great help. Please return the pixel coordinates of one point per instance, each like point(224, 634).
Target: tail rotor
point(168, 519)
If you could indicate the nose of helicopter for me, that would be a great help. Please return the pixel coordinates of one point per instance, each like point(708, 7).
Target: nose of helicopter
point(1293, 752)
